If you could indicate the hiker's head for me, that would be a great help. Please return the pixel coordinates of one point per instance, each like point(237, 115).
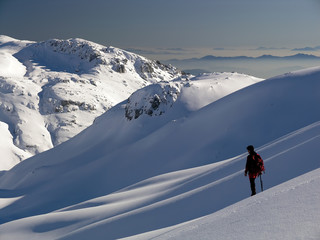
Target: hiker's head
point(250, 149)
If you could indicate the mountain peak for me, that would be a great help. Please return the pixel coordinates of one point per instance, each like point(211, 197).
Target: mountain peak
point(85, 50)
point(64, 85)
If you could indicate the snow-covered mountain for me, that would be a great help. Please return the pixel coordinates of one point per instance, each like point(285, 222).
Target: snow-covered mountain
point(168, 169)
point(52, 90)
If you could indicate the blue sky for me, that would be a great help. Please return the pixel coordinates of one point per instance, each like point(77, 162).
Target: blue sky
point(165, 28)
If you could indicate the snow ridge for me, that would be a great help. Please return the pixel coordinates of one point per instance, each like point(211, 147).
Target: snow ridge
point(194, 93)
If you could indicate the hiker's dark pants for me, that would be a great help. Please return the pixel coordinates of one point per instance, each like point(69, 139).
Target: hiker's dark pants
point(253, 186)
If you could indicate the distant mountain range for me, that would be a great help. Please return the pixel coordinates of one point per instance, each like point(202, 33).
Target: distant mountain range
point(299, 56)
point(264, 66)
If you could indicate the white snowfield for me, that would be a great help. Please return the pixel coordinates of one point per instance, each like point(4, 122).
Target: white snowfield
point(168, 163)
point(50, 91)
point(288, 211)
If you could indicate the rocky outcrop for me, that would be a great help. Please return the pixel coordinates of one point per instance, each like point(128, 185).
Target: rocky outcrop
point(153, 100)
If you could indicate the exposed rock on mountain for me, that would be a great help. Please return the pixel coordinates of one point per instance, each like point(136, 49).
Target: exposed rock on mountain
point(52, 90)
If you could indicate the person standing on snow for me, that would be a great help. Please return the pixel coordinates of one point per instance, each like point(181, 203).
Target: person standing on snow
point(254, 167)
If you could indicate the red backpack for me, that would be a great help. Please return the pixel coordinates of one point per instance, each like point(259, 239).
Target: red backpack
point(259, 166)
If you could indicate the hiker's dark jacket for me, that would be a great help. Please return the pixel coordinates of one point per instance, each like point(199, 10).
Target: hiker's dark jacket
point(254, 165)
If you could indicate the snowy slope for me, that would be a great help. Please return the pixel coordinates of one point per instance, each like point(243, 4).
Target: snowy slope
point(52, 90)
point(288, 211)
point(144, 177)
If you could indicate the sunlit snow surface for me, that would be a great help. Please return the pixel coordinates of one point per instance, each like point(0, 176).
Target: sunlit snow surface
point(178, 174)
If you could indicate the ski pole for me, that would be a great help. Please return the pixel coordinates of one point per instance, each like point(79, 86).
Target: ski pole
point(261, 183)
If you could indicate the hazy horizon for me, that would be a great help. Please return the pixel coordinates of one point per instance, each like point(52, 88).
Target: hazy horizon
point(171, 29)
point(258, 68)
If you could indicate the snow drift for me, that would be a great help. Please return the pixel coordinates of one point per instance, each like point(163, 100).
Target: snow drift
point(288, 211)
point(144, 177)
